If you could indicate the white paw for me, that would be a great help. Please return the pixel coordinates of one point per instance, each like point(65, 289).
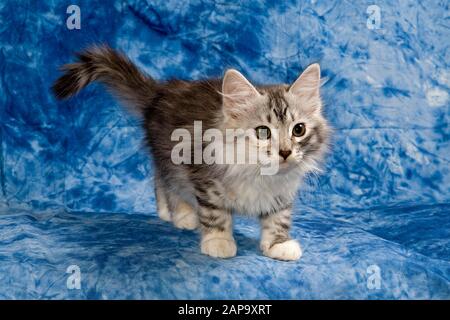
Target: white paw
point(187, 221)
point(288, 250)
point(165, 215)
point(219, 247)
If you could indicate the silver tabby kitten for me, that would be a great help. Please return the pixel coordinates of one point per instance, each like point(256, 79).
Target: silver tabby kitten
point(205, 195)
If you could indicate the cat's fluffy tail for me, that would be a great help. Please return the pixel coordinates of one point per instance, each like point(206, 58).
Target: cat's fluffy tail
point(115, 70)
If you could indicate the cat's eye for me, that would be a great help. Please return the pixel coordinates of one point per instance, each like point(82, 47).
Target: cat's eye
point(262, 132)
point(299, 130)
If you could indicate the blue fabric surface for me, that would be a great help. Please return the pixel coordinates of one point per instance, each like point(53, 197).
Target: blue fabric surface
point(71, 172)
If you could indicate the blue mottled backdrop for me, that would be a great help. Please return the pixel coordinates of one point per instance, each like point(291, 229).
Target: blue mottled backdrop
point(76, 183)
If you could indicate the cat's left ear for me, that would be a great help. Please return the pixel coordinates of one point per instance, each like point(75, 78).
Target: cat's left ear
point(308, 83)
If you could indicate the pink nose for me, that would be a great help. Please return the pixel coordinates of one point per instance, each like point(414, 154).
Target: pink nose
point(285, 153)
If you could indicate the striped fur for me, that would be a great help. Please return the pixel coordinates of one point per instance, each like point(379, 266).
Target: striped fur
point(206, 195)
point(115, 70)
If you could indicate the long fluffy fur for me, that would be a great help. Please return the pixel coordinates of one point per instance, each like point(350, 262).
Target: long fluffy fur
point(206, 194)
point(115, 70)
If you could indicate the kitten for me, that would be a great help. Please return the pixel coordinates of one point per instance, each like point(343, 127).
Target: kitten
point(206, 195)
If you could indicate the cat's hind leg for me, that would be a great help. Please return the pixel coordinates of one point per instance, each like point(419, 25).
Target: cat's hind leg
point(172, 208)
point(162, 203)
point(184, 215)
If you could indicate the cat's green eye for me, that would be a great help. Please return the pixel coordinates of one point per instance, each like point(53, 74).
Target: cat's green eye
point(299, 130)
point(262, 132)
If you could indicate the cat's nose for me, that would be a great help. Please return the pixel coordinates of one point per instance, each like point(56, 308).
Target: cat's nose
point(285, 153)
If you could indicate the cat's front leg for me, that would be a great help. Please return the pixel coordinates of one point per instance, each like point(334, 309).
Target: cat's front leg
point(216, 227)
point(275, 240)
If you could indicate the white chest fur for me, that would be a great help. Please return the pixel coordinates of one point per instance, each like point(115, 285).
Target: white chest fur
point(248, 192)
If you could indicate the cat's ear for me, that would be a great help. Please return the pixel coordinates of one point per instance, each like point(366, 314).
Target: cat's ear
point(236, 92)
point(308, 83)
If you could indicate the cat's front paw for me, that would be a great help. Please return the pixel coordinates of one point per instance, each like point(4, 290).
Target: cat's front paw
point(219, 247)
point(287, 251)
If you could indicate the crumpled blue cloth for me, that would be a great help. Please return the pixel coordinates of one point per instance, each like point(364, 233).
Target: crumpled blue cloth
point(75, 177)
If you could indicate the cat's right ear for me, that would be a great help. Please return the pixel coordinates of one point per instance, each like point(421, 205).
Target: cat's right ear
point(237, 91)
